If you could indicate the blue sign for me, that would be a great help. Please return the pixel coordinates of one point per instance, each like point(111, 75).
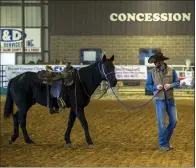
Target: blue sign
point(143, 53)
point(58, 68)
point(11, 35)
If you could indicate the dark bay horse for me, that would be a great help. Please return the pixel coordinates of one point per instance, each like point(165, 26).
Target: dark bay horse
point(24, 91)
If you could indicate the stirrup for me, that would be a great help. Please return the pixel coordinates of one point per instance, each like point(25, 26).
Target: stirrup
point(61, 103)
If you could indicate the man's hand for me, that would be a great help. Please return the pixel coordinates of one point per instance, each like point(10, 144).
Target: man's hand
point(159, 87)
point(167, 86)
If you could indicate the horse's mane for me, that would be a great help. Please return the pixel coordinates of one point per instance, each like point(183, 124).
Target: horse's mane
point(89, 66)
point(90, 69)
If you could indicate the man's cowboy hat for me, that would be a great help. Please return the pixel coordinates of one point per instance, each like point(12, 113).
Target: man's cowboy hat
point(157, 57)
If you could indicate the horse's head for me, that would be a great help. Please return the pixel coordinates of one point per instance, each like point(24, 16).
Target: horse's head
point(107, 70)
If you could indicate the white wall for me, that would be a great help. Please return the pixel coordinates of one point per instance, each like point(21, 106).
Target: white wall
point(7, 59)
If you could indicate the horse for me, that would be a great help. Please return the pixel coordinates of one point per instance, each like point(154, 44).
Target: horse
point(25, 91)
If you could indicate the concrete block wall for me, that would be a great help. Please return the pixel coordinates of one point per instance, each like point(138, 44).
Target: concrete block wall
point(125, 48)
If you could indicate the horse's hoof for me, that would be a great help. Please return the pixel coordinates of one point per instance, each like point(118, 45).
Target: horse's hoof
point(91, 146)
point(68, 145)
point(30, 142)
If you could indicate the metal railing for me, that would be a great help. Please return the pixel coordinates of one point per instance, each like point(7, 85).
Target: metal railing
point(3, 82)
point(130, 87)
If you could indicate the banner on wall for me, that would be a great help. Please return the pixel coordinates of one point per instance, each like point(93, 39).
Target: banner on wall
point(14, 70)
point(131, 72)
point(189, 74)
point(123, 72)
point(11, 40)
point(58, 68)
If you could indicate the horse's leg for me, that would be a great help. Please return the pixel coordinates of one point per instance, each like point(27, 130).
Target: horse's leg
point(82, 118)
point(22, 122)
point(16, 129)
point(72, 118)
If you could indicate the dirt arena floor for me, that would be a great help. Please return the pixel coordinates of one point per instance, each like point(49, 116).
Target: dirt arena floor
point(121, 138)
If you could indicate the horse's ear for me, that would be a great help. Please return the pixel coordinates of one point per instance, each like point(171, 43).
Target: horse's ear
point(112, 58)
point(104, 58)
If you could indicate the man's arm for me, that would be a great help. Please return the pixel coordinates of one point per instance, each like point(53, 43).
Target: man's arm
point(176, 82)
point(150, 84)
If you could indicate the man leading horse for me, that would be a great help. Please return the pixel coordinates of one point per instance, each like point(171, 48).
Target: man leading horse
point(163, 79)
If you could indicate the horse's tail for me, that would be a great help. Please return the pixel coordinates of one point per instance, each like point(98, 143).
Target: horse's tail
point(8, 108)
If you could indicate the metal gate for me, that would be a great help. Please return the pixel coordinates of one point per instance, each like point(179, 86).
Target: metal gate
point(3, 81)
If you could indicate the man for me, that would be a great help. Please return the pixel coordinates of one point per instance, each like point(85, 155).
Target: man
point(161, 81)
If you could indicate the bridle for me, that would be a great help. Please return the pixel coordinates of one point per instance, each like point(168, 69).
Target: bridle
point(102, 72)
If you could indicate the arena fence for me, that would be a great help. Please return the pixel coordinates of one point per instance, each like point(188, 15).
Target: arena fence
point(3, 81)
point(131, 80)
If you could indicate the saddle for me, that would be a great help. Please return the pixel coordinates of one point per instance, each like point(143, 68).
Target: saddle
point(50, 78)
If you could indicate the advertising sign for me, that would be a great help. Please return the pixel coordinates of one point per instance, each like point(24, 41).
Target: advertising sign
point(131, 72)
point(11, 40)
point(14, 70)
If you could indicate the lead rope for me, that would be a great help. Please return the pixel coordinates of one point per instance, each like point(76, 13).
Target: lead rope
point(126, 106)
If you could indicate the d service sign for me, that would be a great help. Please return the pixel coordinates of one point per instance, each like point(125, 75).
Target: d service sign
point(11, 40)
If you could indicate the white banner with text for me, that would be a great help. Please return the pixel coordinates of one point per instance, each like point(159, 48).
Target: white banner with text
point(123, 72)
point(131, 72)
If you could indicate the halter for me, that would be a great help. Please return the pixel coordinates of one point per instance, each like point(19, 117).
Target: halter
point(103, 74)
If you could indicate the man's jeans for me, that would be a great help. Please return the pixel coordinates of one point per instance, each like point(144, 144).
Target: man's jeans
point(165, 133)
